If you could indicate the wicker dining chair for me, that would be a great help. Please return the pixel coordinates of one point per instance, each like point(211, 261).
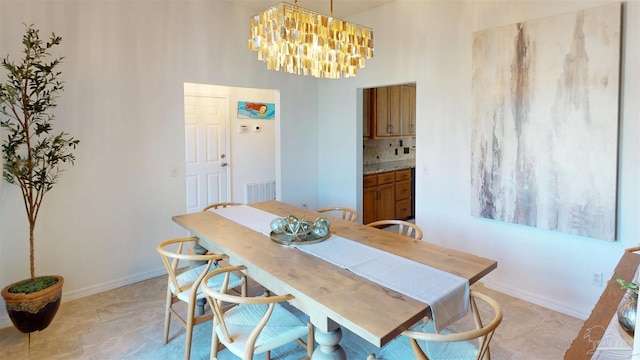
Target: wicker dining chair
point(185, 284)
point(342, 212)
point(255, 325)
point(220, 205)
point(423, 343)
point(404, 227)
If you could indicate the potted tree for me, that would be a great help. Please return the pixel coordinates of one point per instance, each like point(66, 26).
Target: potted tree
point(33, 159)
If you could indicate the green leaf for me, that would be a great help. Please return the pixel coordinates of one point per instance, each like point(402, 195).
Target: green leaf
point(624, 285)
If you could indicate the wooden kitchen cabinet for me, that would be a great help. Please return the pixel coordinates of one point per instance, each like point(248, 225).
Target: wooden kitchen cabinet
point(369, 197)
point(408, 110)
point(366, 113)
point(403, 194)
point(378, 197)
point(389, 111)
point(387, 196)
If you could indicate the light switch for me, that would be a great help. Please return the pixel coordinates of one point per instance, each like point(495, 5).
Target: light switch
point(243, 128)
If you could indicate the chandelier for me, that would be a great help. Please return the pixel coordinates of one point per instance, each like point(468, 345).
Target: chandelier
point(303, 42)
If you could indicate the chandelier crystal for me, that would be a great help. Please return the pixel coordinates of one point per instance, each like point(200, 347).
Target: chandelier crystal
point(303, 42)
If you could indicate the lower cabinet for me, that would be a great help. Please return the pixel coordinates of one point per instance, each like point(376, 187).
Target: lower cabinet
point(386, 196)
point(403, 194)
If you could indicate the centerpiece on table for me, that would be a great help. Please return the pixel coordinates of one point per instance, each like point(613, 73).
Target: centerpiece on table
point(293, 230)
point(627, 308)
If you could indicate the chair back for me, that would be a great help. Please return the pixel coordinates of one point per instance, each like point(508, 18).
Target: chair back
point(343, 212)
point(172, 253)
point(217, 298)
point(220, 205)
point(483, 333)
point(405, 228)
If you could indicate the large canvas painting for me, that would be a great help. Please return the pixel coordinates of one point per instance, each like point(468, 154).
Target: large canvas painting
point(544, 139)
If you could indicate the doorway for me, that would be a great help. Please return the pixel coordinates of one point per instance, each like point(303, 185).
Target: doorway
point(232, 153)
point(388, 152)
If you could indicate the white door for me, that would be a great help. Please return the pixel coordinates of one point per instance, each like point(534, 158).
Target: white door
point(206, 155)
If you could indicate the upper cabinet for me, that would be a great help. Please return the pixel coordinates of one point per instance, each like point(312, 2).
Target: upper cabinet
point(366, 113)
point(389, 111)
point(408, 110)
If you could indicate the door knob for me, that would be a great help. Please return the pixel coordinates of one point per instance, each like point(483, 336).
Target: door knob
point(224, 164)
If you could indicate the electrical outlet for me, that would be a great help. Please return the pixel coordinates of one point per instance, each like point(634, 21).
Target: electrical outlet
point(596, 279)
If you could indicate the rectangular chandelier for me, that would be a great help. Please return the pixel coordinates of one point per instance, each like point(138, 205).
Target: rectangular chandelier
point(303, 42)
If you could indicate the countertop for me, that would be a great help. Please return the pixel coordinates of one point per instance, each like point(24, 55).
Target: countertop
point(388, 166)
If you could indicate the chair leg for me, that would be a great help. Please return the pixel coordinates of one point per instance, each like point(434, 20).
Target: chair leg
point(167, 315)
point(190, 314)
point(214, 343)
point(310, 341)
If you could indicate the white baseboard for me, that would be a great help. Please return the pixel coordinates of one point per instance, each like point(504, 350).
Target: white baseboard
point(567, 309)
point(95, 289)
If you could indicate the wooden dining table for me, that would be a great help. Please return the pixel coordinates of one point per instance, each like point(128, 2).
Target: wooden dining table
point(331, 296)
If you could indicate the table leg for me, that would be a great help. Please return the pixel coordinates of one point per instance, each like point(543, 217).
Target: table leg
point(328, 345)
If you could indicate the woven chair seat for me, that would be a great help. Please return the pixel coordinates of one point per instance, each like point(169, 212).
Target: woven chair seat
point(282, 328)
point(190, 276)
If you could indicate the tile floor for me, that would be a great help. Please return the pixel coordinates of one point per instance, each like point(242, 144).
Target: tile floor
point(126, 323)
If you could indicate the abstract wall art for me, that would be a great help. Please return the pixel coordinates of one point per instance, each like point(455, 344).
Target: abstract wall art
point(544, 141)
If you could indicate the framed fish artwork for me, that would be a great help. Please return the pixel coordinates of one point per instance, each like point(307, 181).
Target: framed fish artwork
point(256, 110)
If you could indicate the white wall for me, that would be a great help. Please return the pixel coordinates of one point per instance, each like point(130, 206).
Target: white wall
point(430, 43)
point(125, 66)
point(253, 153)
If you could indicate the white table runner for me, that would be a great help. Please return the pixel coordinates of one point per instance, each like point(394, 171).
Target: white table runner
point(446, 294)
point(612, 346)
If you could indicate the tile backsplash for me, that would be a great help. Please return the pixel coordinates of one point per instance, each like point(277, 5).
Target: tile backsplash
point(385, 150)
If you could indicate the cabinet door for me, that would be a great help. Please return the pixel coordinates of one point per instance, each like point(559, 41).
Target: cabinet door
point(395, 111)
point(388, 111)
point(403, 209)
point(403, 190)
point(408, 110)
point(386, 202)
point(382, 111)
point(366, 113)
point(369, 199)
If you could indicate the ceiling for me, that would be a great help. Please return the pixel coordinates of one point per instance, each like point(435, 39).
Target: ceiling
point(341, 8)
